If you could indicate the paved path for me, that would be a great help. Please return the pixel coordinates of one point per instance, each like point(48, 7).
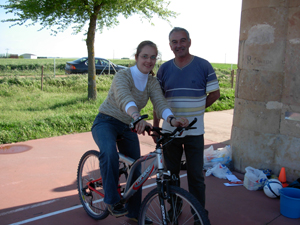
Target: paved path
point(38, 186)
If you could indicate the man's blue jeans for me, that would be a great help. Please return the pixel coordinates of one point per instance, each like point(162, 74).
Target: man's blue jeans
point(105, 131)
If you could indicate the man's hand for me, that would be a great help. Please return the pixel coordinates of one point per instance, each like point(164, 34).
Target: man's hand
point(179, 122)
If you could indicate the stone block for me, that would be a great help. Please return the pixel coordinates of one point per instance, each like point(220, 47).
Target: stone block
point(257, 116)
point(257, 85)
point(290, 125)
point(252, 148)
point(264, 4)
point(264, 25)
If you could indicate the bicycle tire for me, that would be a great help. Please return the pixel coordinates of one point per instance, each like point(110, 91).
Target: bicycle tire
point(191, 210)
point(88, 170)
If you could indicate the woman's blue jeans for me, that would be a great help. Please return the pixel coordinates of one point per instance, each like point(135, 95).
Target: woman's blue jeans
point(105, 131)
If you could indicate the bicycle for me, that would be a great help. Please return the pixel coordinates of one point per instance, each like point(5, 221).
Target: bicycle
point(165, 204)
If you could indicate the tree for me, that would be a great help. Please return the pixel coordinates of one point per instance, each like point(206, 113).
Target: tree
point(58, 15)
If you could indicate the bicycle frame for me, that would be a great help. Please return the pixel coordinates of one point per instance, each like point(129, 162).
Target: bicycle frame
point(148, 172)
point(138, 183)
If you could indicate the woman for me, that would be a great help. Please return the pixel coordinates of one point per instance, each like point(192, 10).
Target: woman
point(129, 93)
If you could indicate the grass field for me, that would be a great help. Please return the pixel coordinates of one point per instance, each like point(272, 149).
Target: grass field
point(27, 112)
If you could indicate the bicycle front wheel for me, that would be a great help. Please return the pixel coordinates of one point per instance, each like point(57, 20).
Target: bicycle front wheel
point(89, 185)
point(181, 208)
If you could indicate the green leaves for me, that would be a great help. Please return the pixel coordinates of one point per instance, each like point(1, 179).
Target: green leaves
point(58, 15)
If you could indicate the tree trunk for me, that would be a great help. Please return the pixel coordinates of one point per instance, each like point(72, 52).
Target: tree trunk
point(92, 89)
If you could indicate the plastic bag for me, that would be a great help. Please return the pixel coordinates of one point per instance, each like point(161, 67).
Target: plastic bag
point(219, 171)
point(254, 179)
point(213, 157)
point(295, 184)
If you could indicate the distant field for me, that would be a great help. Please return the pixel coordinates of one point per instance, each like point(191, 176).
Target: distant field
point(33, 67)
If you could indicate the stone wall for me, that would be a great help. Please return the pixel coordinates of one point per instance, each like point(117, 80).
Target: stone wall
point(266, 122)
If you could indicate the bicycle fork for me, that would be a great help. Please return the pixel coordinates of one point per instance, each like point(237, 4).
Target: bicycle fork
point(162, 181)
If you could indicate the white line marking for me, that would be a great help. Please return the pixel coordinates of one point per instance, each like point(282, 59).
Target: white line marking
point(47, 215)
point(29, 207)
point(60, 211)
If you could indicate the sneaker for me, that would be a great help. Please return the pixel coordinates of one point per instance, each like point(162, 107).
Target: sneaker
point(117, 209)
point(148, 221)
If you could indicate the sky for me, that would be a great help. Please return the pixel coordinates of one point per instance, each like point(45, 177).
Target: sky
point(214, 28)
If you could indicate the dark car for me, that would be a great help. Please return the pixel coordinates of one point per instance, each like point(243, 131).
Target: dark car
point(103, 66)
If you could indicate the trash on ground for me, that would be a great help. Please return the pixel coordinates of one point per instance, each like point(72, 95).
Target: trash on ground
point(213, 157)
point(295, 184)
point(219, 170)
point(254, 179)
point(233, 181)
point(268, 172)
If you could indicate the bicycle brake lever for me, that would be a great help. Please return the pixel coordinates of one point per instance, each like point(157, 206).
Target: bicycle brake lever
point(132, 124)
point(148, 130)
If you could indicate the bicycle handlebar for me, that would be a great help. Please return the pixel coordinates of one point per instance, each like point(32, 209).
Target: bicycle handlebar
point(181, 129)
point(158, 129)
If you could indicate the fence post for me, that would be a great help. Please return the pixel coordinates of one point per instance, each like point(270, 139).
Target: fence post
point(232, 78)
point(42, 77)
point(54, 66)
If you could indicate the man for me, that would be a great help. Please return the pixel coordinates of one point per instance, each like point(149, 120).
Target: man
point(190, 85)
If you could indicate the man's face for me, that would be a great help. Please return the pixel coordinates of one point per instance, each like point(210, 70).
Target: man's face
point(180, 44)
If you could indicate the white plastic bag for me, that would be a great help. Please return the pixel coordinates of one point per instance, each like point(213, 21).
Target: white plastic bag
point(219, 171)
point(213, 157)
point(254, 179)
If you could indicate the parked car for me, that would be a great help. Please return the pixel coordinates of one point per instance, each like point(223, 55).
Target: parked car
point(103, 66)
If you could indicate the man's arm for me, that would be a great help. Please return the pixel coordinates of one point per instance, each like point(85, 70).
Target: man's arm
point(212, 97)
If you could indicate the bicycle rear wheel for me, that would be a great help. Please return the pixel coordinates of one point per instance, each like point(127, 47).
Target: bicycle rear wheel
point(89, 178)
point(182, 208)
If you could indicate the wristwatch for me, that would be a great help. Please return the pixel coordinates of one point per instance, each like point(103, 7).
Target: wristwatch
point(171, 118)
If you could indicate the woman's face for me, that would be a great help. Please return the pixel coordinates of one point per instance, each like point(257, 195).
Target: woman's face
point(146, 60)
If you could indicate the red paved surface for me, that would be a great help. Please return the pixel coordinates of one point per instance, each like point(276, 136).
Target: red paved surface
point(38, 186)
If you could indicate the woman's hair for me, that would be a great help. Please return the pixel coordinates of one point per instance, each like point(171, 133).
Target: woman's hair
point(141, 46)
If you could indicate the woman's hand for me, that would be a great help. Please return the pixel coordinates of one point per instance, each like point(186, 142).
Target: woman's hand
point(179, 122)
point(140, 127)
